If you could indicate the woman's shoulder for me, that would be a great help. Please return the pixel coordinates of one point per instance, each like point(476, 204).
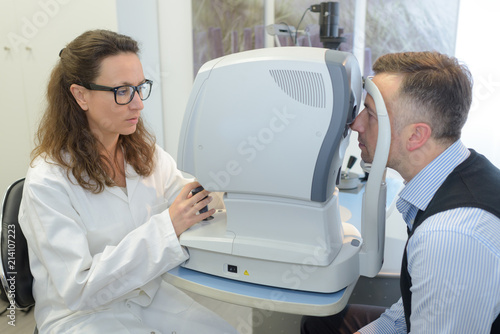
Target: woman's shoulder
point(163, 157)
point(44, 169)
point(44, 163)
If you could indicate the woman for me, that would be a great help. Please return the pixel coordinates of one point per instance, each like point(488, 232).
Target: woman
point(103, 206)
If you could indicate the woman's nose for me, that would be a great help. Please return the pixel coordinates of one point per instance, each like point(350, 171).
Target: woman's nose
point(136, 102)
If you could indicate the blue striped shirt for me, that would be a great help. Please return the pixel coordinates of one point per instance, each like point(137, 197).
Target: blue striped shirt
point(453, 260)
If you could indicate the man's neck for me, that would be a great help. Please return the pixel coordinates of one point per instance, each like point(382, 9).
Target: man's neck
point(420, 158)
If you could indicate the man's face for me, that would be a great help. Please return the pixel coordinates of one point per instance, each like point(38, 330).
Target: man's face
point(366, 124)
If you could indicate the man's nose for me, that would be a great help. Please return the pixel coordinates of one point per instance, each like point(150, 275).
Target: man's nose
point(356, 124)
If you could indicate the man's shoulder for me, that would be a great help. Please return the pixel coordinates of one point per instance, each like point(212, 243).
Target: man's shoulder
point(476, 224)
point(473, 183)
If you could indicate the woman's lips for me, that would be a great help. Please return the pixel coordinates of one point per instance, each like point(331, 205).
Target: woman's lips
point(133, 120)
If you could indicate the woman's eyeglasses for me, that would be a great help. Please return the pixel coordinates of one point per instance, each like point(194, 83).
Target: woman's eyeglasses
point(124, 94)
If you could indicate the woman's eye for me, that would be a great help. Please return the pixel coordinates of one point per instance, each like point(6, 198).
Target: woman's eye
point(122, 91)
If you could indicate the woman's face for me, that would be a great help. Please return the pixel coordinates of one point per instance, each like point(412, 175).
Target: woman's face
point(107, 119)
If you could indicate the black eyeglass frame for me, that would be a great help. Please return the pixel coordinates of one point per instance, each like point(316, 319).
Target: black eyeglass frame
point(91, 86)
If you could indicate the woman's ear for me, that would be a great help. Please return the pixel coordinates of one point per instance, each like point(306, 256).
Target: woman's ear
point(420, 134)
point(80, 95)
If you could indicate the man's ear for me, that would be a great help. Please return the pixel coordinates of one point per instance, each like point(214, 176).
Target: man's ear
point(80, 95)
point(419, 135)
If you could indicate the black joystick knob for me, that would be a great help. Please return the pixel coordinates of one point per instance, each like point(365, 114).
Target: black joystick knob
point(205, 208)
point(350, 163)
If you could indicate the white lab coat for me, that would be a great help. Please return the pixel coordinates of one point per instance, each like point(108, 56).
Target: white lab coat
point(97, 259)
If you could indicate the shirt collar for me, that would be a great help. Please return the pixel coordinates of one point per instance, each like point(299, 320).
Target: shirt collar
point(419, 191)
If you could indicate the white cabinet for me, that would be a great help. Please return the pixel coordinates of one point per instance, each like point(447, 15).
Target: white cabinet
point(31, 35)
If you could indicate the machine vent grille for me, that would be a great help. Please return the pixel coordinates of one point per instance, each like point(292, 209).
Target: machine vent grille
point(303, 86)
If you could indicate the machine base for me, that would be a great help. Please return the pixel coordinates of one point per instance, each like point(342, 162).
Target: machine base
point(306, 275)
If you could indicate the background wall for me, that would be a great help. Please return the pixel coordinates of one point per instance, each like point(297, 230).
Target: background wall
point(477, 47)
point(31, 35)
point(141, 23)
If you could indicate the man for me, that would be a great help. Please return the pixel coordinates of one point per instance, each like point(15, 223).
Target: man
point(450, 274)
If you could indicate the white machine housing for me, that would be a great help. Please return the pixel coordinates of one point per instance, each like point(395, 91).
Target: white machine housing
point(269, 129)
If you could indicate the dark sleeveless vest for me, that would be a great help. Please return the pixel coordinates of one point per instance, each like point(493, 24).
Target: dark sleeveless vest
point(473, 183)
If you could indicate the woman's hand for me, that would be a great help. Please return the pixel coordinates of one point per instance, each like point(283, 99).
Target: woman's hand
point(184, 210)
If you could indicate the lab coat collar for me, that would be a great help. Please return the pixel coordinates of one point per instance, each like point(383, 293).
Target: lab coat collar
point(132, 180)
